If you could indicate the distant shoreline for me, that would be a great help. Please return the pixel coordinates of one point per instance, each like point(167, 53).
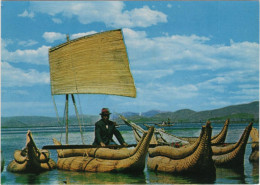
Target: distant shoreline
point(220, 122)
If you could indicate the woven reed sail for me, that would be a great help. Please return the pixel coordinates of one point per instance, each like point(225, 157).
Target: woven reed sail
point(95, 64)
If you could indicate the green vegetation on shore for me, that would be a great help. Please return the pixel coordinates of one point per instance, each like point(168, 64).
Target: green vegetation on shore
point(236, 113)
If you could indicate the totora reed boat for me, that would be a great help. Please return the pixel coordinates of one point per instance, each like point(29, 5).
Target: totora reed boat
point(192, 159)
point(232, 155)
point(31, 159)
point(94, 64)
point(254, 156)
point(157, 137)
point(105, 159)
point(164, 138)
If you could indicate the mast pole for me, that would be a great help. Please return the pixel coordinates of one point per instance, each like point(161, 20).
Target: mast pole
point(67, 118)
point(67, 108)
point(77, 114)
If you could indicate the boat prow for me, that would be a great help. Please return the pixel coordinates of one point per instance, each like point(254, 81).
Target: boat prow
point(254, 156)
point(158, 137)
point(165, 138)
point(232, 155)
point(195, 159)
point(31, 159)
point(221, 136)
point(104, 159)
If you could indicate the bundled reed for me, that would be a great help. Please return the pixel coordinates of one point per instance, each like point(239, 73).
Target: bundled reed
point(254, 156)
point(95, 64)
point(31, 159)
point(196, 159)
point(104, 159)
point(232, 155)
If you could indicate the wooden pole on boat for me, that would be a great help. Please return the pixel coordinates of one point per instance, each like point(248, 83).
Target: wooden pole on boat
point(63, 147)
point(67, 118)
point(67, 108)
point(77, 114)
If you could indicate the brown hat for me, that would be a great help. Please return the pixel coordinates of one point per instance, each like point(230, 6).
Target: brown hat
point(105, 111)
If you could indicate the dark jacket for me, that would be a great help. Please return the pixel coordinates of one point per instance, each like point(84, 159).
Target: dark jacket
point(102, 134)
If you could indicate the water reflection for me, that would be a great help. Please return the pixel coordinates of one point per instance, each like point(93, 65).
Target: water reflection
point(69, 177)
point(28, 178)
point(168, 178)
point(224, 176)
point(234, 175)
point(255, 172)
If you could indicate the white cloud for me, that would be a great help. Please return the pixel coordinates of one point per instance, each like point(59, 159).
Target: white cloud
point(38, 56)
point(182, 52)
point(56, 20)
point(53, 36)
point(12, 76)
point(152, 74)
point(111, 13)
point(27, 43)
point(26, 14)
point(77, 35)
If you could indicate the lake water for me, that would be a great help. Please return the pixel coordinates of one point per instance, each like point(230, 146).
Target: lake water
point(15, 138)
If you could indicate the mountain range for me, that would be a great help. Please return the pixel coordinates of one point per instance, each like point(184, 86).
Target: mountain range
point(236, 113)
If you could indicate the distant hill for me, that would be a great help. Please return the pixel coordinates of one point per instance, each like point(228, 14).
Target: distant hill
point(151, 113)
point(236, 113)
point(40, 121)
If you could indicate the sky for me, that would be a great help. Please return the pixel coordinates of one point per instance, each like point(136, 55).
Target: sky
point(198, 55)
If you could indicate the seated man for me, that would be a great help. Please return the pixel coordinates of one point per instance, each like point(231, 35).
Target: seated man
point(105, 129)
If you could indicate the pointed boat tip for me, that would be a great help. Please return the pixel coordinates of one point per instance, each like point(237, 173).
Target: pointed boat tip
point(227, 121)
point(208, 123)
point(250, 125)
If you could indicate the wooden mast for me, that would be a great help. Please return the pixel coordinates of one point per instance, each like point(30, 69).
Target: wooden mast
point(67, 118)
point(77, 114)
point(67, 110)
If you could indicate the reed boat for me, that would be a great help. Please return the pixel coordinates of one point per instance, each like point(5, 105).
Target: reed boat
point(92, 64)
point(31, 159)
point(164, 125)
point(162, 137)
point(232, 155)
point(105, 159)
point(193, 159)
point(216, 139)
point(157, 138)
point(254, 156)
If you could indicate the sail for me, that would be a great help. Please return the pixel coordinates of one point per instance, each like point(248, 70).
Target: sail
point(94, 64)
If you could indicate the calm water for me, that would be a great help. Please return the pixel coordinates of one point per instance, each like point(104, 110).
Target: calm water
point(12, 139)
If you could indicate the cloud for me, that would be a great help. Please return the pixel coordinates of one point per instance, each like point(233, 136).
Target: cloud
point(189, 52)
point(53, 36)
point(77, 35)
point(152, 74)
point(26, 14)
point(37, 56)
point(27, 43)
point(111, 13)
point(56, 20)
point(221, 71)
point(12, 76)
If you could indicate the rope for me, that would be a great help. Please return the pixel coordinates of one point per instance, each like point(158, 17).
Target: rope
point(76, 110)
point(81, 112)
point(57, 115)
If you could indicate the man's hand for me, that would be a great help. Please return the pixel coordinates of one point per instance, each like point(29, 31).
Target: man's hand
point(102, 144)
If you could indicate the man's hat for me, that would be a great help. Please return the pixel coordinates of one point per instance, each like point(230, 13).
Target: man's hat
point(105, 111)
